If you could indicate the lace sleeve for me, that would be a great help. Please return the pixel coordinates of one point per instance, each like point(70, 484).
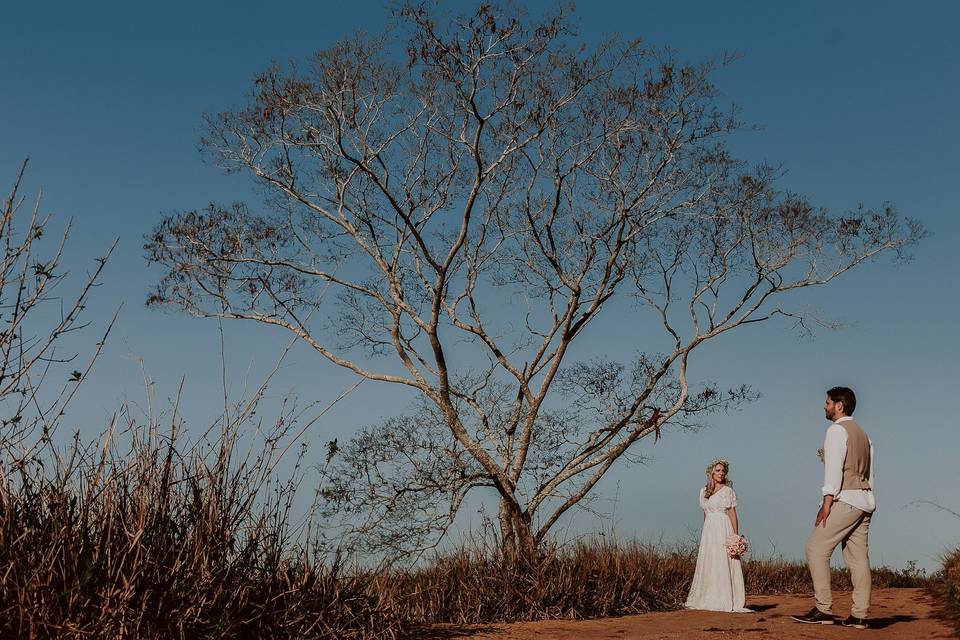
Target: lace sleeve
point(731, 498)
point(703, 503)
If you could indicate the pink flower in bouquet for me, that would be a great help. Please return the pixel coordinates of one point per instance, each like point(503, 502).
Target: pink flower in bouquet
point(737, 545)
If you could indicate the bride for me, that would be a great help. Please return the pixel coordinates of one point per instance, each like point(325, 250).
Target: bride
point(718, 578)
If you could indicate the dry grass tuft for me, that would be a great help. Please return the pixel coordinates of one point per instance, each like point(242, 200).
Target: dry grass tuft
point(163, 543)
point(945, 589)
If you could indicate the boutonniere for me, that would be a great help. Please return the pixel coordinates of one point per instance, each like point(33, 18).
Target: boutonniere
point(820, 454)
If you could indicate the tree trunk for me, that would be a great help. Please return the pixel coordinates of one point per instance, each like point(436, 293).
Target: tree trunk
point(516, 534)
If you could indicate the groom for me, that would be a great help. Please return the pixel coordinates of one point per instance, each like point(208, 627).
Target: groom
point(844, 516)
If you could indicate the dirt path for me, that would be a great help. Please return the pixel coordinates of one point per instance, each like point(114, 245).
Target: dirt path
point(895, 613)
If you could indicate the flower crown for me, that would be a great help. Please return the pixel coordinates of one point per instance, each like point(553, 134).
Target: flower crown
point(715, 462)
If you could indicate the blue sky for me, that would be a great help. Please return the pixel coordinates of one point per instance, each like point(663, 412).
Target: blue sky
point(858, 100)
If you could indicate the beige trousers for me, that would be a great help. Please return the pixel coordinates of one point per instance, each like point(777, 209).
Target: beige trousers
point(846, 526)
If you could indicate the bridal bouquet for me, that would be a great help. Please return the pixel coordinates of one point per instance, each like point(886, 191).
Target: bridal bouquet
point(736, 545)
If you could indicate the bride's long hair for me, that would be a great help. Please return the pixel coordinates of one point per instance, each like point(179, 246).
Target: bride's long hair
point(711, 486)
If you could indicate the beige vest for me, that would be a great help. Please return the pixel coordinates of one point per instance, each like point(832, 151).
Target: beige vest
point(856, 464)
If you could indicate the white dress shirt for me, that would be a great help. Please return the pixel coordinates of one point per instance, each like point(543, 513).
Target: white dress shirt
point(834, 452)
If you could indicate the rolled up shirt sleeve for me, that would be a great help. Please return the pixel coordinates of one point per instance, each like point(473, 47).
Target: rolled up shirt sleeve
point(834, 451)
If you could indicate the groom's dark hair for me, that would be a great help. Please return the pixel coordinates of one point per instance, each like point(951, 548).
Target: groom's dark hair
point(846, 396)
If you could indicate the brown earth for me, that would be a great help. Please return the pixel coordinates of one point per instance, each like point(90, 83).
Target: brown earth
point(895, 613)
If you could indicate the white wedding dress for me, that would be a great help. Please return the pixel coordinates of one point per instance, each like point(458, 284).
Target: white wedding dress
point(718, 579)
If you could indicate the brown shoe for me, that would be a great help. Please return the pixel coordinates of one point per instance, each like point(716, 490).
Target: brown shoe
point(815, 616)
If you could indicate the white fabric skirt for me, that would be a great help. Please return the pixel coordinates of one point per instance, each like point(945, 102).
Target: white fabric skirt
point(718, 579)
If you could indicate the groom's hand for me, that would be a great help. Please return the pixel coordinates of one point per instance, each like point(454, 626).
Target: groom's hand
point(824, 512)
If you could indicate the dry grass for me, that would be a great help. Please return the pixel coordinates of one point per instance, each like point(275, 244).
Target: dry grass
point(945, 589)
point(165, 540)
point(776, 575)
point(592, 579)
point(580, 581)
point(162, 542)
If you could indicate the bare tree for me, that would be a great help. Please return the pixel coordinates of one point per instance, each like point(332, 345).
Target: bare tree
point(477, 202)
point(36, 321)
